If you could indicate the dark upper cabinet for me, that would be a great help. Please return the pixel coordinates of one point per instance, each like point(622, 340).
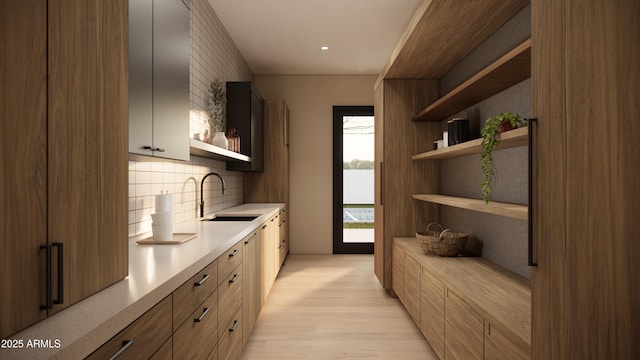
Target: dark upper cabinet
point(245, 112)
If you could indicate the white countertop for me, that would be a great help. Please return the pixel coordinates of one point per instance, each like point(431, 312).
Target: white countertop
point(155, 271)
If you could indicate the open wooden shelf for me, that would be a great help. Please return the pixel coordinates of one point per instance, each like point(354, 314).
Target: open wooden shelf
point(443, 32)
point(515, 211)
point(203, 149)
point(510, 69)
point(508, 139)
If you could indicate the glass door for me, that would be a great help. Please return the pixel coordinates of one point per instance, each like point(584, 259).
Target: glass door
point(353, 179)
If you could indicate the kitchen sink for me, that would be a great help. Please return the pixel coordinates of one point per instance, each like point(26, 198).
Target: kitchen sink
point(232, 217)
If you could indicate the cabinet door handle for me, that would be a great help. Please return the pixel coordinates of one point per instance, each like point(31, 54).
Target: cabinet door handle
point(204, 278)
point(153, 148)
point(234, 326)
point(234, 279)
point(234, 253)
point(264, 227)
point(382, 183)
point(126, 344)
point(205, 311)
point(60, 247)
point(530, 258)
point(49, 302)
point(251, 239)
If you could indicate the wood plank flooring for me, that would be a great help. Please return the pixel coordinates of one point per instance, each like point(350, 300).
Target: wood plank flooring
point(333, 307)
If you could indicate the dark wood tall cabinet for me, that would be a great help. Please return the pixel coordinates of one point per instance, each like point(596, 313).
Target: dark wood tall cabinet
point(272, 184)
point(63, 154)
point(586, 200)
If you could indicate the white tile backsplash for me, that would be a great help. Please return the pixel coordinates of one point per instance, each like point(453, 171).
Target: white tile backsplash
point(213, 54)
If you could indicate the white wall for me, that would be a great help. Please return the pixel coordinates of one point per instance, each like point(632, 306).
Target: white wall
point(310, 99)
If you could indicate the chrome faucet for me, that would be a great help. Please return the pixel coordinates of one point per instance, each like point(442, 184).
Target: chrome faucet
point(202, 190)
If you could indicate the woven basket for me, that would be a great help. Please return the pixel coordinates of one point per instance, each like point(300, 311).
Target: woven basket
point(441, 242)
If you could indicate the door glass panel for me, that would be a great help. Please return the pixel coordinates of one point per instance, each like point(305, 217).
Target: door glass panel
point(358, 179)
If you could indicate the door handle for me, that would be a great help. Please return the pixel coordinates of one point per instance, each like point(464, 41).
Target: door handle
point(530, 257)
point(60, 247)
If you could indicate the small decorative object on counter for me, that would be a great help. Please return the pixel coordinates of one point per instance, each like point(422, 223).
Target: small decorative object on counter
point(234, 140)
point(436, 241)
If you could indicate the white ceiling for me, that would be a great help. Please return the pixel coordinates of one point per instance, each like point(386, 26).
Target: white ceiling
point(284, 36)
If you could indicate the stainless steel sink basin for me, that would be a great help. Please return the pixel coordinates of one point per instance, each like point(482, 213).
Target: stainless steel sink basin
point(232, 217)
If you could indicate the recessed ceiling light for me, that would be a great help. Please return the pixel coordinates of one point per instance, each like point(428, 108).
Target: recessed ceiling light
point(324, 48)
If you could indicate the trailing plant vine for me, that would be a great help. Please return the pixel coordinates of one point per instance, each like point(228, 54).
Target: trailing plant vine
point(489, 141)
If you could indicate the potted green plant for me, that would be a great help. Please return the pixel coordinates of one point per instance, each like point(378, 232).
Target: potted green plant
point(217, 102)
point(492, 127)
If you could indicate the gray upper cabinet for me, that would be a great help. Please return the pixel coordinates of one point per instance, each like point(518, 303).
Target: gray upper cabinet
point(159, 78)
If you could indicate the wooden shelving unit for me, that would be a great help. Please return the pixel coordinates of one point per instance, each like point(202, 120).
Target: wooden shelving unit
point(510, 69)
point(441, 33)
point(515, 211)
point(203, 149)
point(509, 139)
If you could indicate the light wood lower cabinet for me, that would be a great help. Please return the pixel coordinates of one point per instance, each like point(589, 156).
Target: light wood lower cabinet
point(251, 300)
point(212, 314)
point(142, 338)
point(398, 272)
point(230, 341)
point(229, 299)
point(498, 347)
point(165, 352)
point(463, 329)
point(466, 308)
point(432, 312)
point(192, 293)
point(412, 272)
point(192, 340)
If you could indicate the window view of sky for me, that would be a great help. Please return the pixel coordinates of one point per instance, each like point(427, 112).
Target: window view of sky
point(358, 138)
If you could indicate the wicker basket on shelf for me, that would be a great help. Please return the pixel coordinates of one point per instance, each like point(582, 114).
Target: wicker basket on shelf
point(436, 241)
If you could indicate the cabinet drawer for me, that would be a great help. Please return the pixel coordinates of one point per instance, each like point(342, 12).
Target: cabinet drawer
point(230, 343)
point(142, 338)
point(165, 352)
point(432, 312)
point(498, 347)
point(463, 329)
point(412, 274)
point(195, 338)
point(229, 261)
point(398, 272)
point(229, 298)
point(193, 292)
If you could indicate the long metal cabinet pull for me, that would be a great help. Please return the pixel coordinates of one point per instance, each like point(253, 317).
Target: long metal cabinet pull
point(153, 148)
point(49, 302)
point(204, 313)
point(126, 344)
point(234, 253)
point(204, 278)
point(234, 326)
point(382, 183)
point(251, 238)
point(530, 260)
point(60, 247)
point(234, 279)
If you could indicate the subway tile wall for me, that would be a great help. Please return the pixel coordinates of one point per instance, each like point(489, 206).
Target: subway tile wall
point(213, 54)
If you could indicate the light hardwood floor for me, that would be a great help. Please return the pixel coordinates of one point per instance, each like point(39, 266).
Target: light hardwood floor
point(333, 307)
